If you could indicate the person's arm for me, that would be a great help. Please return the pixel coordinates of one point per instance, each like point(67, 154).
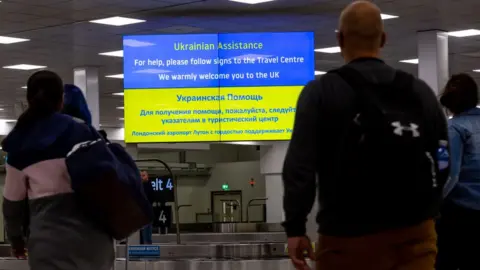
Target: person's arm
point(299, 169)
point(14, 209)
point(456, 154)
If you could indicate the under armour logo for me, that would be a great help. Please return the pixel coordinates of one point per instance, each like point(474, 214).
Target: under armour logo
point(399, 129)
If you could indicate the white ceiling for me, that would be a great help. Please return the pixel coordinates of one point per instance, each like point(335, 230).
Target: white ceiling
point(62, 38)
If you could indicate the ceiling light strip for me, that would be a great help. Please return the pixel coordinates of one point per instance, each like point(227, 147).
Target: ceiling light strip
point(465, 33)
point(117, 21)
point(113, 53)
point(409, 61)
point(24, 67)
point(329, 50)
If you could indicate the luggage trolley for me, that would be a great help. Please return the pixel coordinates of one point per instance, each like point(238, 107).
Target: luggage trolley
point(177, 224)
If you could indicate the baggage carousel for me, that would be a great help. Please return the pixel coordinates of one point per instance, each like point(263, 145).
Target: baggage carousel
point(199, 251)
point(205, 251)
point(191, 264)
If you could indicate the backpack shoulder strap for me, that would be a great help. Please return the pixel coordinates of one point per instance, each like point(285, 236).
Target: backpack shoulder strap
point(351, 76)
point(359, 84)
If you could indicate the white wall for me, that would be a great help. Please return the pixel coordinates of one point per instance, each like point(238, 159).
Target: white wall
point(218, 153)
point(197, 192)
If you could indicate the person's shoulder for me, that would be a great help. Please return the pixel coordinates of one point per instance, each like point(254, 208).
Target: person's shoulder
point(324, 85)
point(78, 131)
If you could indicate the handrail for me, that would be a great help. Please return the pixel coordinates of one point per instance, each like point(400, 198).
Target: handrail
point(184, 205)
point(178, 209)
point(174, 178)
point(249, 204)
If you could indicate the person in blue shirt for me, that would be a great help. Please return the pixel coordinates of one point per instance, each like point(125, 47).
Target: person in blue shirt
point(459, 224)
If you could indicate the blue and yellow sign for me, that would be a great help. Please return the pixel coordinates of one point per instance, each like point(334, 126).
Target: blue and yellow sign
point(214, 87)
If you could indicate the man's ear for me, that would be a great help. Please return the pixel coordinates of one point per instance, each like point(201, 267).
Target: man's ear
point(340, 39)
point(383, 40)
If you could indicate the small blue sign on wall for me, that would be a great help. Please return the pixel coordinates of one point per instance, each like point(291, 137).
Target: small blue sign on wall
point(144, 251)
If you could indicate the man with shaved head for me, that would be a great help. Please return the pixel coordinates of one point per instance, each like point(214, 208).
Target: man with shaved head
point(371, 138)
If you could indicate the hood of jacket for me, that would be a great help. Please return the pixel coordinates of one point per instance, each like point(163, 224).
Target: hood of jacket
point(75, 104)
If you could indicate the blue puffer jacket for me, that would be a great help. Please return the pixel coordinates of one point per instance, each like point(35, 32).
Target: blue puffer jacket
point(75, 104)
point(463, 187)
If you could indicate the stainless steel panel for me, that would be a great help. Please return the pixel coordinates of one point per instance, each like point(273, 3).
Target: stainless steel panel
point(5, 251)
point(14, 264)
point(218, 251)
point(221, 265)
point(222, 238)
point(141, 265)
point(246, 227)
point(11, 264)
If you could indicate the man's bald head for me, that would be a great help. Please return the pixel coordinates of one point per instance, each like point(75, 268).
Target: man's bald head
point(361, 27)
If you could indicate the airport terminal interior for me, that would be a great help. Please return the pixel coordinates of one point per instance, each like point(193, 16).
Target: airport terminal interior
point(209, 88)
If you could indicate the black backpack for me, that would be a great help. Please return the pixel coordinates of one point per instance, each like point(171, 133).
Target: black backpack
point(387, 160)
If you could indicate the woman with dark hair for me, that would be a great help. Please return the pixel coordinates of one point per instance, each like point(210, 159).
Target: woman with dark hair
point(61, 234)
point(458, 226)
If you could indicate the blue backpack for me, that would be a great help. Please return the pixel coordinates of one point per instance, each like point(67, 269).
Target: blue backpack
point(109, 187)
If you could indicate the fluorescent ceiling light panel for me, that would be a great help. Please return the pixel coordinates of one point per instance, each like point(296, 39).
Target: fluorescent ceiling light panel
point(117, 21)
point(24, 67)
point(2, 109)
point(121, 118)
point(465, 33)
point(410, 61)
point(476, 70)
point(120, 108)
point(329, 50)
point(252, 2)
point(11, 40)
point(24, 87)
point(114, 53)
point(317, 72)
point(118, 94)
point(115, 76)
point(388, 16)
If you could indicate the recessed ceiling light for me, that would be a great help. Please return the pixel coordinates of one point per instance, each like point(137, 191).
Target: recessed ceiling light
point(114, 53)
point(409, 61)
point(329, 50)
point(317, 72)
point(388, 16)
point(115, 76)
point(120, 108)
point(24, 67)
point(10, 40)
point(2, 109)
point(121, 118)
point(24, 87)
point(117, 21)
point(476, 70)
point(118, 94)
point(252, 2)
point(465, 33)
